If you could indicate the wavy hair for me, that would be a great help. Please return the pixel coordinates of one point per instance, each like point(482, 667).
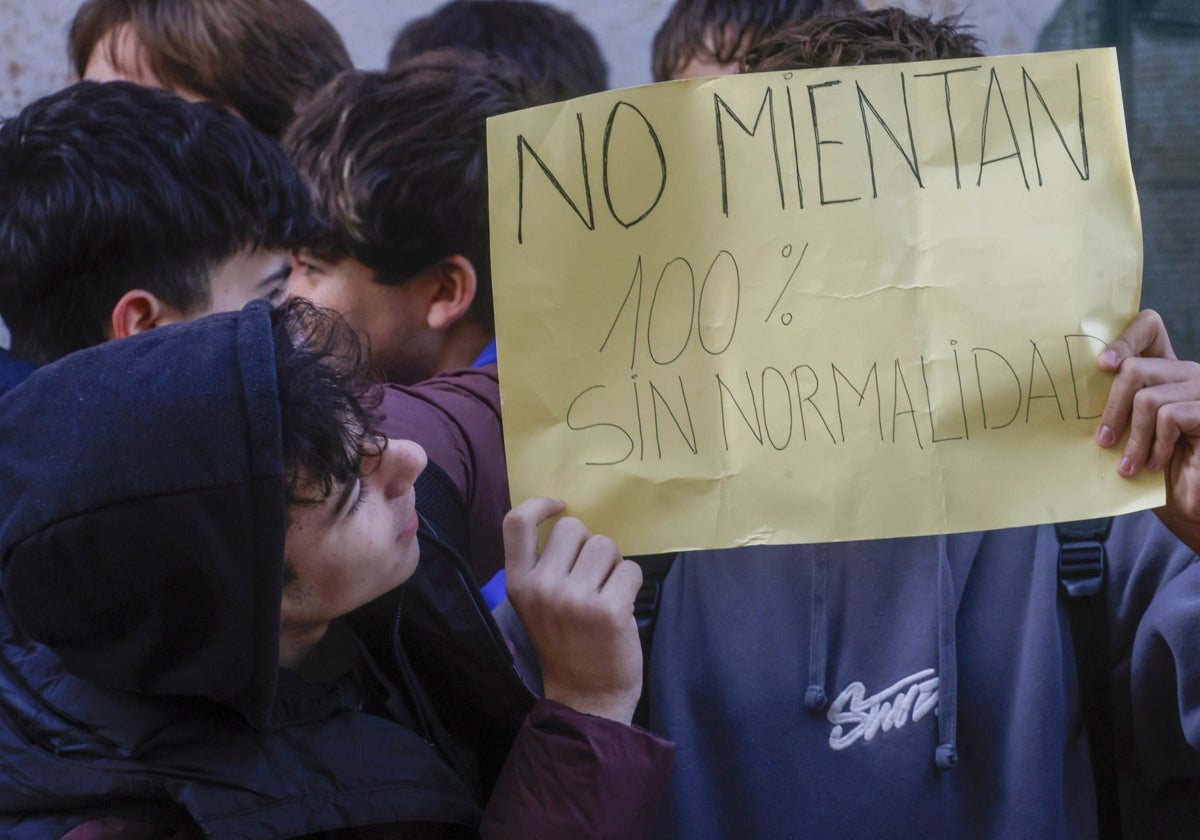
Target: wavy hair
point(883, 36)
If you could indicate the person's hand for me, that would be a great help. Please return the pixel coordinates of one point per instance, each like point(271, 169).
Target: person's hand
point(576, 602)
point(1157, 398)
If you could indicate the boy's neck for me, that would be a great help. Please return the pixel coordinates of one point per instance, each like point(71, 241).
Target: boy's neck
point(295, 642)
point(464, 342)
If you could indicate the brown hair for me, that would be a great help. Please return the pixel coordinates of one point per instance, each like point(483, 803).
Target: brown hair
point(721, 30)
point(398, 162)
point(258, 57)
point(557, 52)
point(883, 36)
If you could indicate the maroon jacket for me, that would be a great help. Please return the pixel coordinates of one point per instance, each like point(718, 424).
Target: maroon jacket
point(568, 775)
point(456, 417)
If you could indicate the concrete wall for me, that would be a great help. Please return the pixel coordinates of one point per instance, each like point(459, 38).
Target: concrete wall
point(33, 33)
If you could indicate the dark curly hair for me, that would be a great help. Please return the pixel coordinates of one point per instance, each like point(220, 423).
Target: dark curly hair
point(328, 400)
point(883, 36)
point(721, 30)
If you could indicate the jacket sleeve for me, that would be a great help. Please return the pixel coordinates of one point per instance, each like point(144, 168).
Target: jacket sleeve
point(1165, 682)
point(579, 776)
point(1155, 602)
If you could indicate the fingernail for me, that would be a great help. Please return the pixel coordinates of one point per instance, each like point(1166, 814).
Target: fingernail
point(1109, 358)
point(1105, 436)
point(1125, 468)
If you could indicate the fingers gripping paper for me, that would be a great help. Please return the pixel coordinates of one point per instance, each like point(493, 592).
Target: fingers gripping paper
point(823, 305)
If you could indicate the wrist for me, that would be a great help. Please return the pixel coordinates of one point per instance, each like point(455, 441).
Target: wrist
point(617, 706)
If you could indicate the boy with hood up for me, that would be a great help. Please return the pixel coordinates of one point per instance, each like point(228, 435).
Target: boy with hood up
point(189, 514)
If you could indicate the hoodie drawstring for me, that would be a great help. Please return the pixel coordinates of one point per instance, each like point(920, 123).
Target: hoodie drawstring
point(946, 755)
point(815, 698)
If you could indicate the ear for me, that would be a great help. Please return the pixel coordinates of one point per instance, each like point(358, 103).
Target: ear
point(138, 311)
point(453, 292)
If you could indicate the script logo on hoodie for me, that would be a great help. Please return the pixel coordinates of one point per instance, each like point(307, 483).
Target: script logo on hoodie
point(855, 716)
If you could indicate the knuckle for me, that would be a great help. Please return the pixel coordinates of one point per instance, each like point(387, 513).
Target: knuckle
point(514, 522)
point(602, 545)
point(1169, 414)
point(572, 526)
point(1134, 367)
point(1145, 402)
point(631, 570)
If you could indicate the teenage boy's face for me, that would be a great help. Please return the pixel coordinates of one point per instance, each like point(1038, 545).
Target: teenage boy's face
point(391, 317)
point(358, 543)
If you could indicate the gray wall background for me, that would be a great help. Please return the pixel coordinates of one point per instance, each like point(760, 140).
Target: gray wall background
point(33, 33)
point(1158, 42)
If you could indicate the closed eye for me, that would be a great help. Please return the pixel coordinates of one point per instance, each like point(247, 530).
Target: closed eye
point(307, 267)
point(361, 498)
point(274, 286)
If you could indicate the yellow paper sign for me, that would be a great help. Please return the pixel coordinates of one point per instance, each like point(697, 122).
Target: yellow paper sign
point(823, 305)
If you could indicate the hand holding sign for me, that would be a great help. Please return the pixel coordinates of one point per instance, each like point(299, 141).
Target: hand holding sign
point(1156, 398)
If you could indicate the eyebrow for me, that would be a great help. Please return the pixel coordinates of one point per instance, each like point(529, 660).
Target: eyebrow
point(278, 275)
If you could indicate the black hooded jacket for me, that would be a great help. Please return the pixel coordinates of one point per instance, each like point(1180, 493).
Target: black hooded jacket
point(142, 524)
point(141, 551)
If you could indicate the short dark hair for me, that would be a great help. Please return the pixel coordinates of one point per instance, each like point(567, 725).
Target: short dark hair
point(259, 57)
point(327, 397)
point(721, 30)
point(883, 36)
point(110, 187)
point(398, 163)
point(558, 54)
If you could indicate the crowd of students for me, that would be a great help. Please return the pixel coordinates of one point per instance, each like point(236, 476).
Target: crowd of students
point(254, 509)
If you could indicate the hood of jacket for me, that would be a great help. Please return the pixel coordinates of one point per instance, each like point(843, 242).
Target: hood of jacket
point(143, 511)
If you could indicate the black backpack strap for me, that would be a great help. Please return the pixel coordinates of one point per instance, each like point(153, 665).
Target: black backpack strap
point(655, 568)
point(1082, 566)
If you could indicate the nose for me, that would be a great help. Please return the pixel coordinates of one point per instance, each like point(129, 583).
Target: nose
point(402, 462)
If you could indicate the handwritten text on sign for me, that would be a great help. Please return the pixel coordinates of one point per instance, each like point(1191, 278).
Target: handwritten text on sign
point(830, 304)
